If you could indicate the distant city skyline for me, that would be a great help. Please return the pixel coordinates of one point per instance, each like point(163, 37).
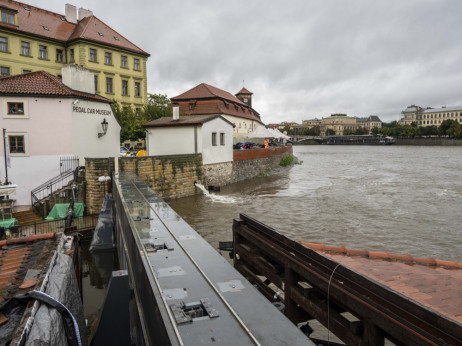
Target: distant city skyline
point(301, 59)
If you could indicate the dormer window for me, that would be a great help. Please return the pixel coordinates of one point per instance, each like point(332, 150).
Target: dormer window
point(45, 28)
point(192, 104)
point(116, 38)
point(100, 34)
point(27, 8)
point(7, 17)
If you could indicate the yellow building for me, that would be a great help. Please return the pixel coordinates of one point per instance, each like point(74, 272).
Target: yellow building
point(33, 39)
point(341, 122)
point(430, 116)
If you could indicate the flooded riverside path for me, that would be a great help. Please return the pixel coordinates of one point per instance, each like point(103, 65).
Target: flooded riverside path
point(402, 199)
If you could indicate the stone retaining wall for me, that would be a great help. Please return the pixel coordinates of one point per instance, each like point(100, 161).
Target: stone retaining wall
point(169, 176)
point(247, 164)
point(429, 141)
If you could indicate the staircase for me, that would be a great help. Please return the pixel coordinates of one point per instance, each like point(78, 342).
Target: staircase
point(26, 217)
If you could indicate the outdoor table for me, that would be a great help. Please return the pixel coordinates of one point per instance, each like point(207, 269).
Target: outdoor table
point(7, 223)
point(59, 211)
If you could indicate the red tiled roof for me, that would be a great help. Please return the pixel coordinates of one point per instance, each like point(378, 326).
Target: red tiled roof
point(205, 91)
point(211, 100)
point(244, 91)
point(17, 256)
point(89, 29)
point(41, 83)
point(33, 22)
point(183, 121)
point(433, 283)
point(217, 106)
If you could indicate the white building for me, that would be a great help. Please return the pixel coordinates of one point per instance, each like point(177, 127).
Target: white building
point(209, 135)
point(45, 119)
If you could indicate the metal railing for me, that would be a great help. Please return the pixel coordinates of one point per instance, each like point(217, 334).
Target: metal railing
point(313, 286)
point(67, 165)
point(86, 222)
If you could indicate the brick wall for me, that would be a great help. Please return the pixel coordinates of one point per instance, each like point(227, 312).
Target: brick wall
point(169, 176)
point(239, 155)
point(94, 192)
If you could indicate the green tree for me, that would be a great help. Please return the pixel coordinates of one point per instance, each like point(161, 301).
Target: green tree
point(158, 106)
point(131, 121)
point(330, 132)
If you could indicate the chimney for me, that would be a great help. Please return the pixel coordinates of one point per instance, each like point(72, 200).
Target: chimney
point(71, 13)
point(176, 112)
point(83, 13)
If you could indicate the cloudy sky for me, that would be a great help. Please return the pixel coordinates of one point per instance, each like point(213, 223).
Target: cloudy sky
point(301, 58)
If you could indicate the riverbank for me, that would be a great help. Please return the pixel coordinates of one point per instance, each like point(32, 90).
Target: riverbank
point(440, 141)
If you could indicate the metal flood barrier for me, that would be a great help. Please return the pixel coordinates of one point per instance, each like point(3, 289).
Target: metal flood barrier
point(312, 286)
point(183, 291)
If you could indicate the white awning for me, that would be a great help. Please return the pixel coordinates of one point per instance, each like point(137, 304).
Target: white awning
point(261, 132)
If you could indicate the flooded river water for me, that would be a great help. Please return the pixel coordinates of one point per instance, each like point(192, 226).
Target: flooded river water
point(402, 199)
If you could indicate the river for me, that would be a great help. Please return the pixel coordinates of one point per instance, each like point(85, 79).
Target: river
point(402, 199)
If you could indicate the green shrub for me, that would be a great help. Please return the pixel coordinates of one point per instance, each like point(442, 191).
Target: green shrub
point(286, 161)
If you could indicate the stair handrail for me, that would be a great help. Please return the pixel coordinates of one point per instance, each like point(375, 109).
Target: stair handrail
point(55, 183)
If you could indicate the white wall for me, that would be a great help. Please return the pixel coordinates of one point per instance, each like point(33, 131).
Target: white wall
point(219, 153)
point(29, 173)
point(78, 78)
point(46, 127)
point(174, 140)
point(87, 117)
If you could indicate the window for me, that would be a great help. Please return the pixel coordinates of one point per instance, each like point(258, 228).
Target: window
point(26, 71)
point(71, 55)
point(96, 83)
point(123, 61)
point(137, 89)
point(93, 54)
point(222, 138)
point(214, 138)
point(124, 87)
point(109, 85)
point(16, 144)
point(108, 58)
point(7, 17)
point(59, 55)
point(3, 44)
point(136, 64)
point(15, 108)
point(4, 71)
point(43, 52)
point(25, 48)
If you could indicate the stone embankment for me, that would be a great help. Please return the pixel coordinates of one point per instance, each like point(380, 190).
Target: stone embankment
point(429, 141)
point(174, 176)
point(169, 176)
point(246, 164)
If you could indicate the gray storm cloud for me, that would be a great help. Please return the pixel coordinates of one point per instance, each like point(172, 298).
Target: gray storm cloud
point(302, 59)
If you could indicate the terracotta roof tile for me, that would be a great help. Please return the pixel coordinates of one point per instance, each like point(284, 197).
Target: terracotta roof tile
point(212, 100)
point(89, 28)
point(182, 121)
point(433, 283)
point(33, 21)
point(41, 83)
point(17, 256)
point(204, 90)
point(244, 91)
